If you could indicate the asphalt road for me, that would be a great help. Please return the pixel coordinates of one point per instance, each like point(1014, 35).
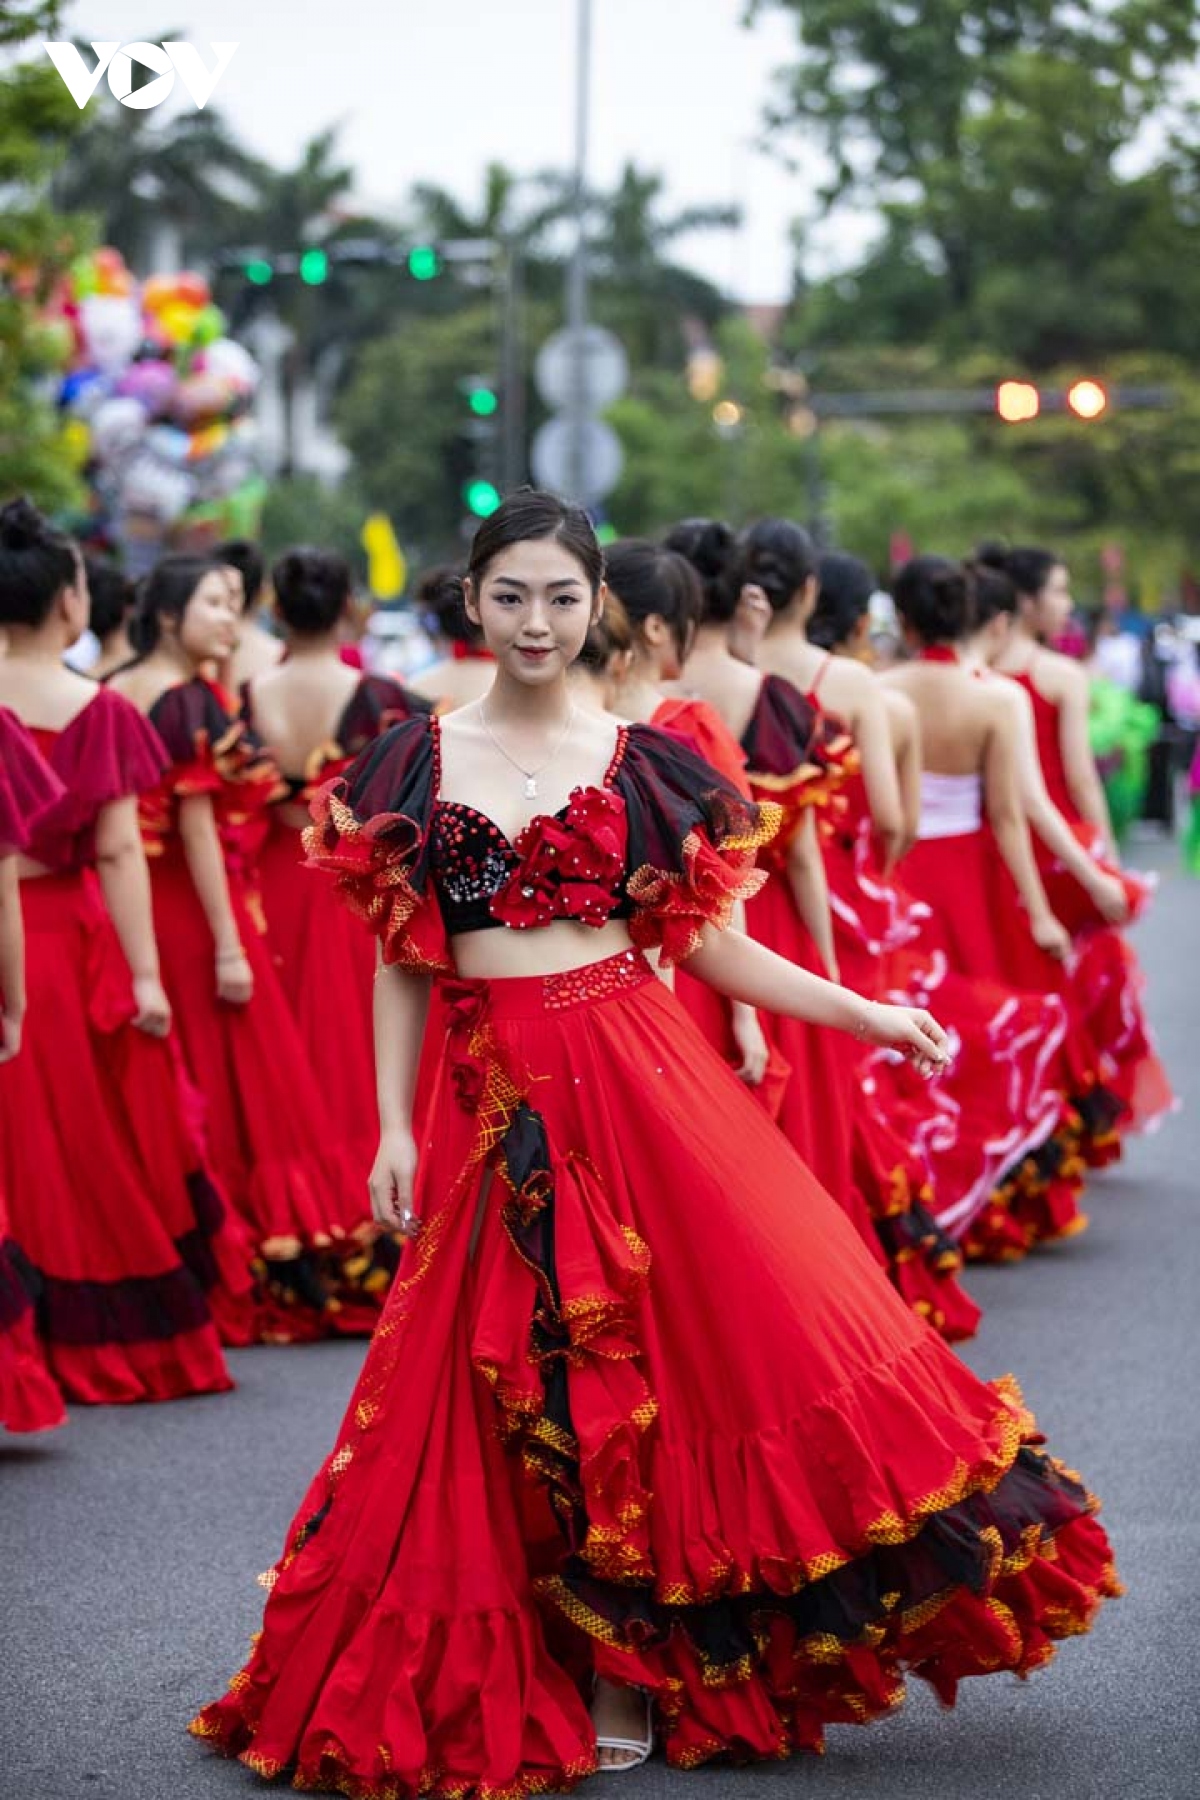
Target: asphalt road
point(129, 1542)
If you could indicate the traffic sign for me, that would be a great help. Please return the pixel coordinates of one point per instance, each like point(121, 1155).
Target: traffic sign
point(587, 476)
point(603, 369)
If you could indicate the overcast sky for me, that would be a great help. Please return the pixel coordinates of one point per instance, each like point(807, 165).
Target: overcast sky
point(432, 90)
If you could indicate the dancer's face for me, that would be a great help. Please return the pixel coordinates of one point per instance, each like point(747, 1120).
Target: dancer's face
point(534, 606)
point(1054, 603)
point(208, 629)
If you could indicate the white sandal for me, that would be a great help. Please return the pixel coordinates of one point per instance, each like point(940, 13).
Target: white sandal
point(637, 1749)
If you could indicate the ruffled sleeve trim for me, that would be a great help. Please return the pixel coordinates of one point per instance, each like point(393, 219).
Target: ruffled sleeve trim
point(370, 831)
point(28, 785)
point(693, 843)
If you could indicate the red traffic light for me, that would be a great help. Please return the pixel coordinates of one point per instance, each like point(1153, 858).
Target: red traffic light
point(1087, 399)
point(1017, 402)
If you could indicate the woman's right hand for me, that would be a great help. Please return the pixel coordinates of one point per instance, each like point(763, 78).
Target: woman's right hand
point(153, 1015)
point(1108, 896)
point(10, 1035)
point(391, 1182)
point(911, 1030)
point(1051, 936)
point(235, 978)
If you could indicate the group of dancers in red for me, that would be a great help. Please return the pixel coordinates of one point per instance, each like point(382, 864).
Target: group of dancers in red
point(717, 997)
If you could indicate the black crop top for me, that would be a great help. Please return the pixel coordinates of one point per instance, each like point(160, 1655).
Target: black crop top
point(664, 842)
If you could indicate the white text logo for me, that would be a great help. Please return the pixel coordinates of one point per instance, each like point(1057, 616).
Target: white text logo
point(165, 61)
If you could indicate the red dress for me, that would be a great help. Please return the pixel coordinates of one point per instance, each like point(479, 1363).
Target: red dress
point(701, 727)
point(1107, 984)
point(30, 1399)
point(668, 1419)
point(283, 1153)
point(308, 927)
point(111, 1197)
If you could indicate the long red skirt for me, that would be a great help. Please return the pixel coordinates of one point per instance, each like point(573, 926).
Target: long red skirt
point(30, 1398)
point(1036, 1198)
point(326, 966)
point(281, 1150)
point(640, 1401)
point(118, 1229)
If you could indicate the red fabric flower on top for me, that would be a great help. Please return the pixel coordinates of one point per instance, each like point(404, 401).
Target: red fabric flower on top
point(571, 864)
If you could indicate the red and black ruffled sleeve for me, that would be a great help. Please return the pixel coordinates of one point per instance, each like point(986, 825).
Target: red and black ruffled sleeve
point(797, 755)
point(209, 748)
point(693, 840)
point(370, 830)
point(28, 785)
point(376, 705)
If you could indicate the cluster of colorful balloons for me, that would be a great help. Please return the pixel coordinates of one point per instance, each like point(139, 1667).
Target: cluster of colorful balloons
point(156, 398)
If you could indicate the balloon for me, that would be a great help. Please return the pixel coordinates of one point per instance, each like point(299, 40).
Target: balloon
point(117, 426)
point(168, 443)
point(209, 325)
point(112, 277)
point(158, 291)
point(202, 399)
point(192, 289)
point(112, 329)
point(84, 279)
point(76, 441)
point(52, 342)
point(207, 441)
point(150, 486)
point(83, 390)
point(155, 346)
point(151, 384)
point(176, 321)
point(231, 360)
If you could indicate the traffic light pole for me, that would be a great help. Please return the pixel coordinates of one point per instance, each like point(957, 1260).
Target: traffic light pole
point(577, 268)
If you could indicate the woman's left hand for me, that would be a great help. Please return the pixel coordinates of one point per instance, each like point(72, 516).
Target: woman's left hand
point(911, 1030)
point(751, 1044)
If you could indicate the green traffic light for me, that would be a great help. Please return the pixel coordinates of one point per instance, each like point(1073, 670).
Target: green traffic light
point(482, 402)
point(424, 262)
point(259, 272)
point(314, 267)
point(482, 498)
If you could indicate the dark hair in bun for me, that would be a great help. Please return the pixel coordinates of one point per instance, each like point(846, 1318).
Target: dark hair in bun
point(245, 556)
point(708, 545)
point(36, 564)
point(110, 596)
point(311, 589)
point(611, 635)
point(1027, 567)
point(992, 592)
point(844, 595)
point(164, 594)
point(776, 556)
point(933, 597)
point(442, 605)
point(649, 579)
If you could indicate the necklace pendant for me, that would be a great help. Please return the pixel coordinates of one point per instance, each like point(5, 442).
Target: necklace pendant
point(530, 788)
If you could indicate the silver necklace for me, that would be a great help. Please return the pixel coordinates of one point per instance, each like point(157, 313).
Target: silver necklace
point(530, 775)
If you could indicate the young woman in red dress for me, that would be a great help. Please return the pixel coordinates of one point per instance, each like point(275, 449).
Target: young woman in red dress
point(641, 1413)
point(315, 714)
point(1101, 1110)
point(1108, 971)
point(660, 595)
point(805, 763)
point(108, 1186)
point(970, 802)
point(283, 1153)
point(30, 1398)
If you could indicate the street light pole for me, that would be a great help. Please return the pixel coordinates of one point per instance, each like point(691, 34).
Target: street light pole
point(577, 268)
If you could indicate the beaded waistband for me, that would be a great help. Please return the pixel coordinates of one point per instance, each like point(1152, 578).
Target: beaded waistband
point(518, 995)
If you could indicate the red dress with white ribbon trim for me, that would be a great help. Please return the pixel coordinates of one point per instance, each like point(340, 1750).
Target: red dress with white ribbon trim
point(1107, 982)
point(283, 1152)
point(30, 1399)
point(110, 1190)
point(640, 1399)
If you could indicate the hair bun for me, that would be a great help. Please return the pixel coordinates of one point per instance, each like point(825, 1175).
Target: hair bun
point(992, 555)
point(22, 526)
